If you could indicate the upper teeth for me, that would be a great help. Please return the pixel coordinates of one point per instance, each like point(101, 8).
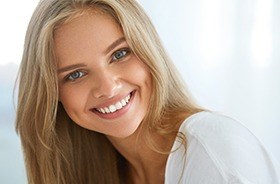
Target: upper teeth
point(114, 107)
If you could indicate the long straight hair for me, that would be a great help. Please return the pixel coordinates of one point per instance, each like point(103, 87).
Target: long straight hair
point(56, 150)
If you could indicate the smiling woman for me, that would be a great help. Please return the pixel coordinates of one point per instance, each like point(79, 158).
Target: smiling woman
point(103, 86)
point(101, 102)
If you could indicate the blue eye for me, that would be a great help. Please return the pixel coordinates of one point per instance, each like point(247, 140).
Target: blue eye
point(120, 54)
point(75, 75)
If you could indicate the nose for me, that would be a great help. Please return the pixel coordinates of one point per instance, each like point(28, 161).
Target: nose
point(106, 84)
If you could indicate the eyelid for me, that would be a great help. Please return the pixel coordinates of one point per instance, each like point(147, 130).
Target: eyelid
point(66, 78)
point(127, 49)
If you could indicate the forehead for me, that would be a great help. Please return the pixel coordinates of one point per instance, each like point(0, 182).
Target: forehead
point(91, 30)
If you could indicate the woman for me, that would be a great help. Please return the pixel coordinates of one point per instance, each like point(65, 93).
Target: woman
point(101, 102)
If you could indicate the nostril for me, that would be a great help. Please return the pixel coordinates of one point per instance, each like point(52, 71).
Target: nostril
point(106, 86)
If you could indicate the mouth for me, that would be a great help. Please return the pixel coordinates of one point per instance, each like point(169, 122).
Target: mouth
point(115, 110)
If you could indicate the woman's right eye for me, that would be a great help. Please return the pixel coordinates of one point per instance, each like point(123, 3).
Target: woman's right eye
point(75, 75)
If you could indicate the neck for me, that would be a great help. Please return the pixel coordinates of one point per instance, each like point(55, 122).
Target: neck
point(144, 164)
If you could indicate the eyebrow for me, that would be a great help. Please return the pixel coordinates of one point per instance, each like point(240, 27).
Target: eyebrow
point(109, 48)
point(70, 67)
point(114, 44)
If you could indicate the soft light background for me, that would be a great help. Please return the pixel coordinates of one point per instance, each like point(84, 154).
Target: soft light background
point(227, 51)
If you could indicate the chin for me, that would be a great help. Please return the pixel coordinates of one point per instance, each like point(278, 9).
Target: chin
point(124, 132)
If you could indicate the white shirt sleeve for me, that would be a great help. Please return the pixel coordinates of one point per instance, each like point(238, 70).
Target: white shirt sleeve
point(219, 150)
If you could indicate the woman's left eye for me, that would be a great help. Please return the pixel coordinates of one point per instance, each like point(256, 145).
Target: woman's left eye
point(120, 54)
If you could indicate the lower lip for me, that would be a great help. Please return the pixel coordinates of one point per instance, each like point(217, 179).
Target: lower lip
point(117, 113)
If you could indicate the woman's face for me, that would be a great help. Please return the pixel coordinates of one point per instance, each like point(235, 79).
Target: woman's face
point(103, 86)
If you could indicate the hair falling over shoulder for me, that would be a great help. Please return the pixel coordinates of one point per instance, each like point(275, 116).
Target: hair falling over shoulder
point(56, 150)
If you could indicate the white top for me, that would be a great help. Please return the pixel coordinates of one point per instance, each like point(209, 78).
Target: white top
point(219, 150)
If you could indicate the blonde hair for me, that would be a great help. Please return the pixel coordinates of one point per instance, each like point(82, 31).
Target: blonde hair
point(57, 150)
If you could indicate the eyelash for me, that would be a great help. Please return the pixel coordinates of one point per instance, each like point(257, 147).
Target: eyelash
point(126, 50)
point(114, 58)
point(81, 74)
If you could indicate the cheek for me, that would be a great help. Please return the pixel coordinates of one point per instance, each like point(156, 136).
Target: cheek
point(139, 72)
point(144, 78)
point(71, 99)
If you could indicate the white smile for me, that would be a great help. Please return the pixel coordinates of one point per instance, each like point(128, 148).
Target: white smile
point(114, 107)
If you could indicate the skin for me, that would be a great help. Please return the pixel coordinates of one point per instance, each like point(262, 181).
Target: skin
point(80, 46)
point(103, 80)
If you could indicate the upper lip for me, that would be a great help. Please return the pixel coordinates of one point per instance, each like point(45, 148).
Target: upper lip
point(111, 101)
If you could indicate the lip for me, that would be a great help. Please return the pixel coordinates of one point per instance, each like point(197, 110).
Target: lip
point(117, 113)
point(112, 101)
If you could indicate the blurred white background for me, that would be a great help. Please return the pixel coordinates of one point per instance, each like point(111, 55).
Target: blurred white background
point(227, 51)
